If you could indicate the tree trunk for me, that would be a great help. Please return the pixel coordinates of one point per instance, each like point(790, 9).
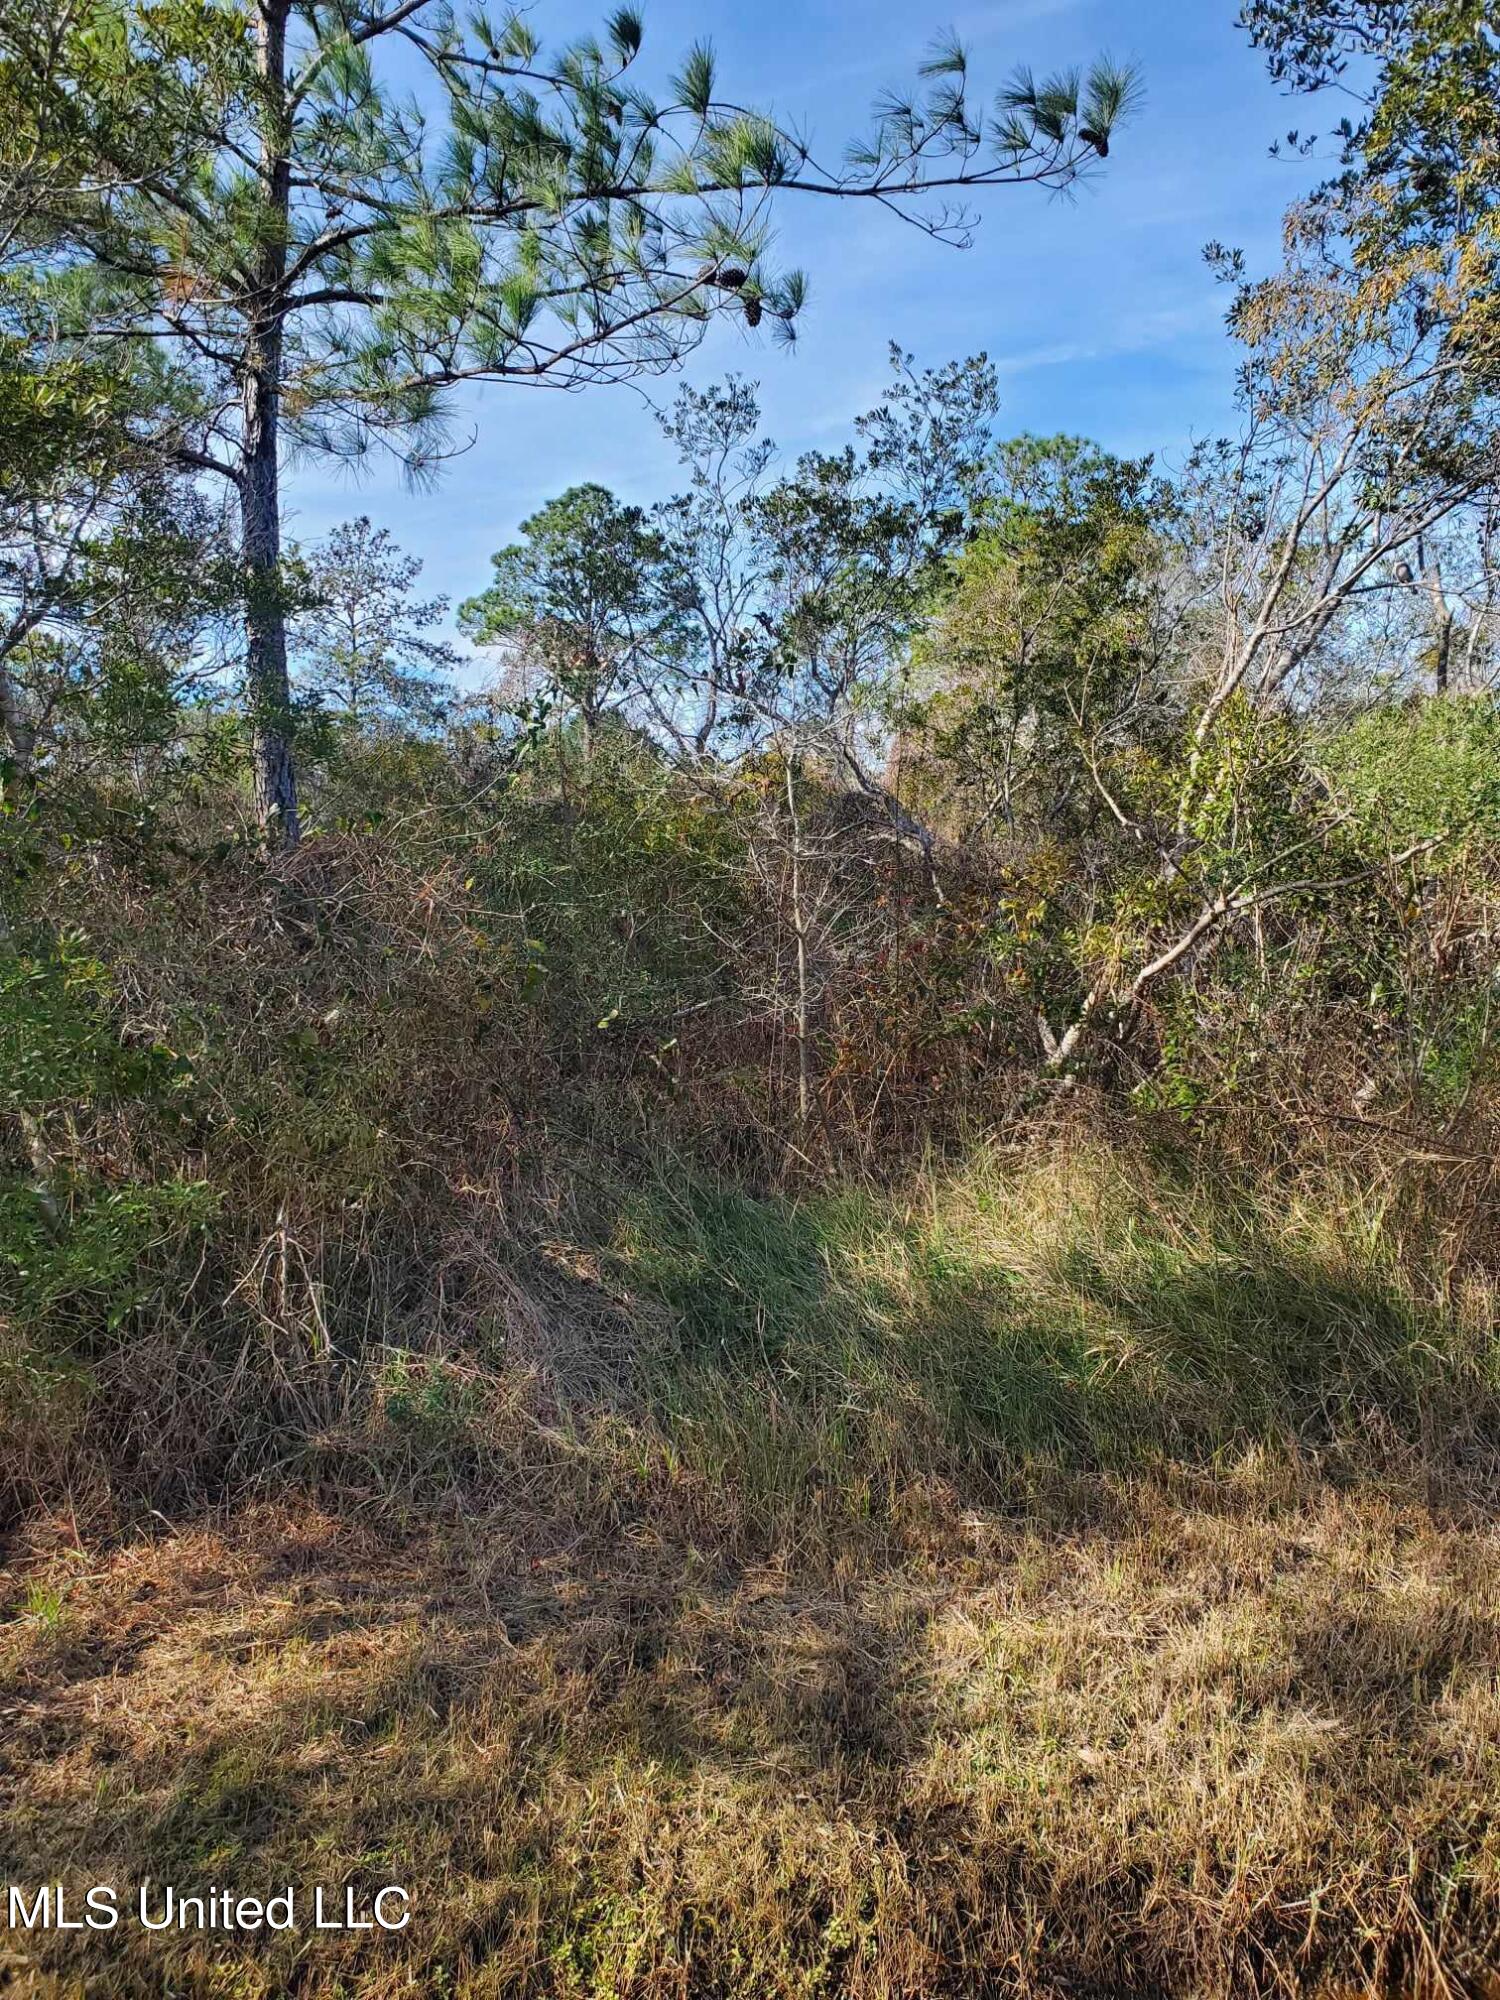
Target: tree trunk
point(1442, 622)
point(799, 931)
point(20, 731)
point(267, 688)
point(1442, 655)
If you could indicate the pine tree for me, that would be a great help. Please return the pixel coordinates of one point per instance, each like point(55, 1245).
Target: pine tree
point(585, 596)
point(330, 256)
point(360, 642)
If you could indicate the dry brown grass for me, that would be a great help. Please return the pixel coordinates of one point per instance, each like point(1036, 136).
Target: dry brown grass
point(1197, 1734)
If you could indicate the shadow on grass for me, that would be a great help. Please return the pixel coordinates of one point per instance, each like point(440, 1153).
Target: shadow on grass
point(958, 1604)
point(842, 1341)
point(502, 1747)
point(1184, 1748)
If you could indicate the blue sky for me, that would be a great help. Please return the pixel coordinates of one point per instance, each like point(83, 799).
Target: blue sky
point(1097, 309)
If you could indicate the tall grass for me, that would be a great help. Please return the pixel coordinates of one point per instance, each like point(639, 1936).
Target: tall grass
point(1072, 1309)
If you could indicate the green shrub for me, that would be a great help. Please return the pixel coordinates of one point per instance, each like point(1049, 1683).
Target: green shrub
point(1428, 770)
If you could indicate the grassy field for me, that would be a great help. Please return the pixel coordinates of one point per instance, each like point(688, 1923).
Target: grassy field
point(1046, 1579)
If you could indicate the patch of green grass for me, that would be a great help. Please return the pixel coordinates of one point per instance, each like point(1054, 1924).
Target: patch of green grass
point(1075, 1312)
point(43, 1603)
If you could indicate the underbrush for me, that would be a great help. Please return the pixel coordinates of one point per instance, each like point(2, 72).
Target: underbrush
point(1065, 1306)
point(461, 1423)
